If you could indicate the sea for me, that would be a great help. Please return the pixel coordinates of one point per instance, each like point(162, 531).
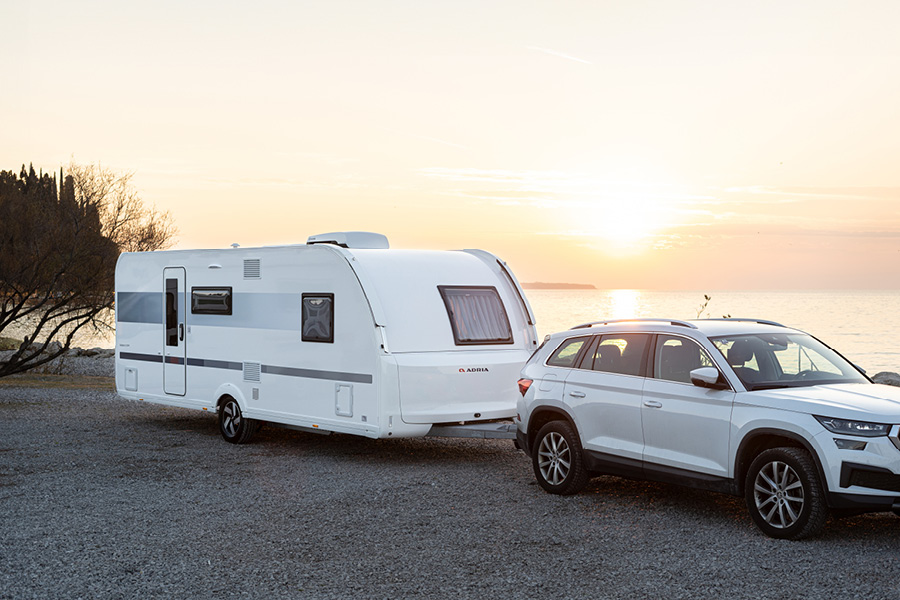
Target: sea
point(861, 325)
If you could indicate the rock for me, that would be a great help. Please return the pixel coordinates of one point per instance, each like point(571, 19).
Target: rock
point(90, 352)
point(52, 348)
point(887, 378)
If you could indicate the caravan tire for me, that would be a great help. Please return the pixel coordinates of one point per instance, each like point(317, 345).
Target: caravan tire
point(234, 427)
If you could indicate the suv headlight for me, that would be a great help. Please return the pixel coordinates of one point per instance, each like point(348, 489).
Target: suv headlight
point(860, 428)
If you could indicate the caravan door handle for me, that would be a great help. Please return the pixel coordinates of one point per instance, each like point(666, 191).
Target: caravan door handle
point(652, 404)
point(181, 332)
point(577, 394)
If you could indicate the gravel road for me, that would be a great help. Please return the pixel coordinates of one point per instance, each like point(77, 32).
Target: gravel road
point(106, 498)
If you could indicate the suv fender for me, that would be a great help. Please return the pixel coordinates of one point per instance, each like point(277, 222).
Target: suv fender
point(543, 415)
point(764, 438)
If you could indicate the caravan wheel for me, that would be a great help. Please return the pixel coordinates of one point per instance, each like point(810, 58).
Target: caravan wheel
point(234, 427)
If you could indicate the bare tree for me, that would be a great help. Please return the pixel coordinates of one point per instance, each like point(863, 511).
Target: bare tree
point(58, 252)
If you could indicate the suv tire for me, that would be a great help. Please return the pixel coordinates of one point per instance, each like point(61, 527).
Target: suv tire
point(557, 459)
point(784, 495)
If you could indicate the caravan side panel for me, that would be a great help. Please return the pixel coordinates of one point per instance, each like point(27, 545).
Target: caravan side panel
point(139, 326)
point(257, 351)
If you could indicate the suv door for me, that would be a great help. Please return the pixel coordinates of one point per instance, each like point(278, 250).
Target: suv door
point(685, 426)
point(604, 393)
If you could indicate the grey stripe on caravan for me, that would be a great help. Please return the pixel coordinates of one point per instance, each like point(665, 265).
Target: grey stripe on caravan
point(314, 374)
point(273, 370)
point(139, 307)
point(139, 356)
point(215, 364)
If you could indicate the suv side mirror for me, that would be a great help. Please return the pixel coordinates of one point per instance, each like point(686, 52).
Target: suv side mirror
point(708, 377)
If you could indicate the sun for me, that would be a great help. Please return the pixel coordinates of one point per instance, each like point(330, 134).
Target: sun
point(624, 223)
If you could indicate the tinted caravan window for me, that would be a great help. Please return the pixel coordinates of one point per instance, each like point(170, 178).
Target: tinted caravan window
point(171, 312)
point(318, 318)
point(477, 315)
point(211, 300)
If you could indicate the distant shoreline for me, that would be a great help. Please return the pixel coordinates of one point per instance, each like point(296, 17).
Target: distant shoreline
point(540, 285)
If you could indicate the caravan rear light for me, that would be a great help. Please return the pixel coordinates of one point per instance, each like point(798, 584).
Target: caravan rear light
point(524, 384)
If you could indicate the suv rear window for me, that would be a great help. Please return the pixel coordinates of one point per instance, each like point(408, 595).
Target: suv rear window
point(477, 315)
point(567, 353)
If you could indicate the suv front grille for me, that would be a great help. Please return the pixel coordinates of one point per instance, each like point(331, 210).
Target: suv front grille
point(896, 438)
point(869, 477)
point(876, 481)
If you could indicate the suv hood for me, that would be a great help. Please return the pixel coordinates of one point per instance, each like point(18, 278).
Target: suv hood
point(861, 401)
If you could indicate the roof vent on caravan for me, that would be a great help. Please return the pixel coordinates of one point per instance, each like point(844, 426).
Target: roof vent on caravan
point(351, 239)
point(252, 268)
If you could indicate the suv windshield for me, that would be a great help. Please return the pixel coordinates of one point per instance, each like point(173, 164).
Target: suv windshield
point(778, 360)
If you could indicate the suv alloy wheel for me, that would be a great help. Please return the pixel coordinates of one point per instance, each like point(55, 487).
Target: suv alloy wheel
point(557, 459)
point(784, 495)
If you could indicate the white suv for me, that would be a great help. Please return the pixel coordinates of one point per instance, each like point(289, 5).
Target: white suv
point(739, 406)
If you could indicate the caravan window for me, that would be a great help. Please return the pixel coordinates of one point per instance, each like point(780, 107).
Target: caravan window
point(171, 312)
point(211, 301)
point(318, 318)
point(477, 315)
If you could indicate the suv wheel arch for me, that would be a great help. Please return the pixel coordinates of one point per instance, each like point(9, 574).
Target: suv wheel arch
point(541, 417)
point(760, 440)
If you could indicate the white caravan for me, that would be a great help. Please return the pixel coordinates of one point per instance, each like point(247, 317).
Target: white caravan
point(339, 335)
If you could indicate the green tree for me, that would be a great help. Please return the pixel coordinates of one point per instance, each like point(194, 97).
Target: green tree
point(58, 252)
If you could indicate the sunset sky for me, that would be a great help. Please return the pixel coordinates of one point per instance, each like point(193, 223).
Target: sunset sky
point(661, 145)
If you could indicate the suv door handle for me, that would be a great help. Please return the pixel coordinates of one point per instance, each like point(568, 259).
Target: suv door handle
point(577, 394)
point(652, 404)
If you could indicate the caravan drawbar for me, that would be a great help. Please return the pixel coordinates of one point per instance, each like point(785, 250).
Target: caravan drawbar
point(341, 334)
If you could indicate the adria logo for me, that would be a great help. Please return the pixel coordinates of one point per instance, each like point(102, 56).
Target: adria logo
point(475, 370)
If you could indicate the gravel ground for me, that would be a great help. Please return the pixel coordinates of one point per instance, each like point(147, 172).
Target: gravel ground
point(106, 498)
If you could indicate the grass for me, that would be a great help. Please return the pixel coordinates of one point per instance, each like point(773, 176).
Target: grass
point(42, 380)
point(9, 343)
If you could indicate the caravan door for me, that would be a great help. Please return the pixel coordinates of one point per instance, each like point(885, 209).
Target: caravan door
point(174, 346)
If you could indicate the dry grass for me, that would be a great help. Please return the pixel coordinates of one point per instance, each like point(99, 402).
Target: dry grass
point(7, 343)
point(41, 380)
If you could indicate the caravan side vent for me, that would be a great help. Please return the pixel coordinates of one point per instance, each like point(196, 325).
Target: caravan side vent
point(252, 269)
point(251, 371)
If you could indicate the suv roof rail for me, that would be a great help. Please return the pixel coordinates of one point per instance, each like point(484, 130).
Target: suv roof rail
point(643, 320)
point(760, 321)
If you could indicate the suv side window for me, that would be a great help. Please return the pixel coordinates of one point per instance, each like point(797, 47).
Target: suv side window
point(620, 353)
point(676, 357)
point(567, 353)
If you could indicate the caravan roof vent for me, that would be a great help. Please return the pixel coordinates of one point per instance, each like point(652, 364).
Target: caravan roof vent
point(351, 239)
point(252, 268)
